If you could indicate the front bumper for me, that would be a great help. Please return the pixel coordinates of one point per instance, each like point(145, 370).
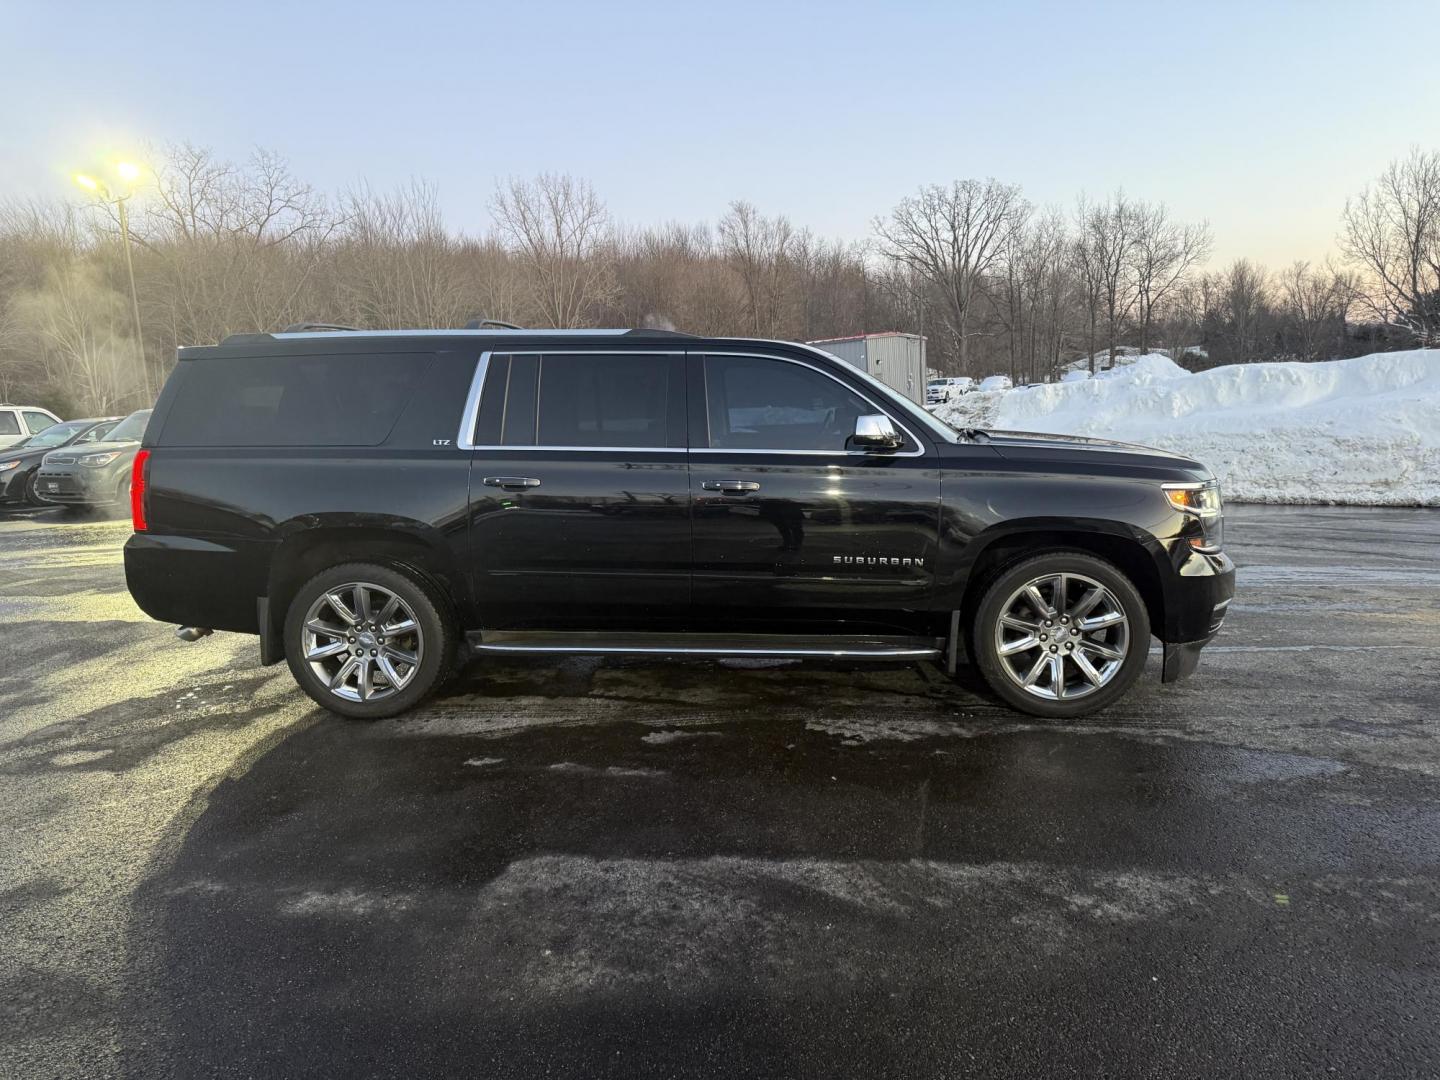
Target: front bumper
point(1197, 602)
point(12, 485)
point(76, 485)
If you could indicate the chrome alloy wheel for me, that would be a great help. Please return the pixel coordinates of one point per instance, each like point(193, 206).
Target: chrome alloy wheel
point(362, 641)
point(1062, 636)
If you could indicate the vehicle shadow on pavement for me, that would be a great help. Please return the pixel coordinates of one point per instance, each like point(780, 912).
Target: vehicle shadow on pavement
point(775, 894)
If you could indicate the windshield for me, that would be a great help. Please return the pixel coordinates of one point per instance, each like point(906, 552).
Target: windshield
point(131, 429)
point(55, 435)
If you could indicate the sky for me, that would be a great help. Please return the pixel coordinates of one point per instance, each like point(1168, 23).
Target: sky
point(1259, 117)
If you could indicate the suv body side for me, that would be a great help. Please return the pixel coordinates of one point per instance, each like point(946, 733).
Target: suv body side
point(683, 519)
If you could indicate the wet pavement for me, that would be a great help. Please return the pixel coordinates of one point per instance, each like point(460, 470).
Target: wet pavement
point(617, 868)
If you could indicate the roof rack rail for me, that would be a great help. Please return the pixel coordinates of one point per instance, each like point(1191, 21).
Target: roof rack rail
point(307, 327)
point(482, 323)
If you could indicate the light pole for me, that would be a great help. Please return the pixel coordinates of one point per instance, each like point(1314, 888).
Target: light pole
point(128, 172)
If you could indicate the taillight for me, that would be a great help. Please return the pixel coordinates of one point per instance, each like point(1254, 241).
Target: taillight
point(138, 476)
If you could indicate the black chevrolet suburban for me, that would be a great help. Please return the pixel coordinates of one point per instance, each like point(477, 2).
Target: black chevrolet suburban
point(379, 506)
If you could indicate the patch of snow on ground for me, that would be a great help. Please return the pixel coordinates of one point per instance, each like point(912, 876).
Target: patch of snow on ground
point(1362, 431)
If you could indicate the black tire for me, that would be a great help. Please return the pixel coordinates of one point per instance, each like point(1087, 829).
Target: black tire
point(122, 491)
point(436, 636)
point(32, 495)
point(985, 635)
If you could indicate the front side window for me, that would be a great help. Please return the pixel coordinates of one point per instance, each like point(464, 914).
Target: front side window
point(9, 423)
point(755, 403)
point(595, 400)
point(54, 435)
point(38, 421)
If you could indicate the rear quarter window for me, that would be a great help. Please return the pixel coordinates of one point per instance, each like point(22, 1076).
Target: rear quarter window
point(343, 399)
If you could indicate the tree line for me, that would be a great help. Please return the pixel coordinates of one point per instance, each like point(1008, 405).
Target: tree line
point(996, 284)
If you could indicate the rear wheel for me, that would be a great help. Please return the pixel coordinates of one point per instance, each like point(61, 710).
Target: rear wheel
point(367, 641)
point(1061, 635)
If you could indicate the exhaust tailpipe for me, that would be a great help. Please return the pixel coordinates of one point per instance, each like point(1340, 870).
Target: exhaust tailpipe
point(192, 633)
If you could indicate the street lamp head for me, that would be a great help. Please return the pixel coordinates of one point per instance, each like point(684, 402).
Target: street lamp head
point(128, 171)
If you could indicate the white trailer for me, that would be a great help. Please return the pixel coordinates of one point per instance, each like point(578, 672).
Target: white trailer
point(896, 359)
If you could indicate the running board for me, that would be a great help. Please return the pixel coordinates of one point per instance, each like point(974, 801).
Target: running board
point(534, 643)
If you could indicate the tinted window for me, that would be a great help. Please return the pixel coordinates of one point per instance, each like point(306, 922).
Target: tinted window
point(347, 399)
point(9, 423)
point(602, 400)
point(759, 404)
point(38, 421)
point(55, 435)
point(132, 428)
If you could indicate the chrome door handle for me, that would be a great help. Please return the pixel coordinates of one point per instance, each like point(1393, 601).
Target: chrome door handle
point(512, 481)
point(732, 486)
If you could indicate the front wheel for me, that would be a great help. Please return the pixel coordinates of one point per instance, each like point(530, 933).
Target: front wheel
point(366, 641)
point(1061, 635)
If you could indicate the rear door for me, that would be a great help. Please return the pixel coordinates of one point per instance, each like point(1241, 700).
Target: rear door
point(579, 491)
point(793, 528)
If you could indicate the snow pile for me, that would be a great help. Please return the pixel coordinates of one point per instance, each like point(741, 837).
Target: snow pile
point(1364, 430)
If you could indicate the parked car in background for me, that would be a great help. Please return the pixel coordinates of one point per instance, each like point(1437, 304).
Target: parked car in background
point(939, 391)
point(93, 475)
point(20, 463)
point(19, 422)
point(997, 382)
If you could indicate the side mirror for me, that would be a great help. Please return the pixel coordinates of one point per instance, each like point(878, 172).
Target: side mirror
point(876, 432)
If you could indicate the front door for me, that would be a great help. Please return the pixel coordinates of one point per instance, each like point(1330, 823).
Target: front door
point(794, 529)
point(579, 497)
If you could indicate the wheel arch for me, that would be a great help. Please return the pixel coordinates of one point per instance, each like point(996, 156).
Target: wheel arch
point(306, 549)
point(1137, 555)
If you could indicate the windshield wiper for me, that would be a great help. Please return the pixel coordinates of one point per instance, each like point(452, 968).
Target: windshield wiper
point(975, 434)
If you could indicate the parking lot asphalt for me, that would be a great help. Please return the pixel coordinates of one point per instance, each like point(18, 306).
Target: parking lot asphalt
point(617, 868)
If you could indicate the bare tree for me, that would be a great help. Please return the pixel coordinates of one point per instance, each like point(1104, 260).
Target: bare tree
point(1164, 254)
point(557, 227)
point(1392, 229)
point(1244, 299)
point(1314, 303)
point(396, 265)
point(760, 250)
point(1089, 281)
point(954, 237)
point(1111, 231)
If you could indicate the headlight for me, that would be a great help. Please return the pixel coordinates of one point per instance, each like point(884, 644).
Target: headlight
point(96, 461)
point(1203, 503)
point(6, 466)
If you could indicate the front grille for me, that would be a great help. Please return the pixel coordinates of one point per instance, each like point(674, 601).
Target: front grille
point(60, 459)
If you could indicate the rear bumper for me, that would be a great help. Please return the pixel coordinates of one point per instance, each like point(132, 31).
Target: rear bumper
point(194, 582)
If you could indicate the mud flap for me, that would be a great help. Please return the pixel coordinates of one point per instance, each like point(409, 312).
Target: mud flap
point(1181, 659)
point(952, 645)
point(272, 644)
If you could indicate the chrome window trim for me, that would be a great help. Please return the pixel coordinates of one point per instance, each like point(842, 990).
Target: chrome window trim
point(920, 452)
point(470, 416)
point(345, 335)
